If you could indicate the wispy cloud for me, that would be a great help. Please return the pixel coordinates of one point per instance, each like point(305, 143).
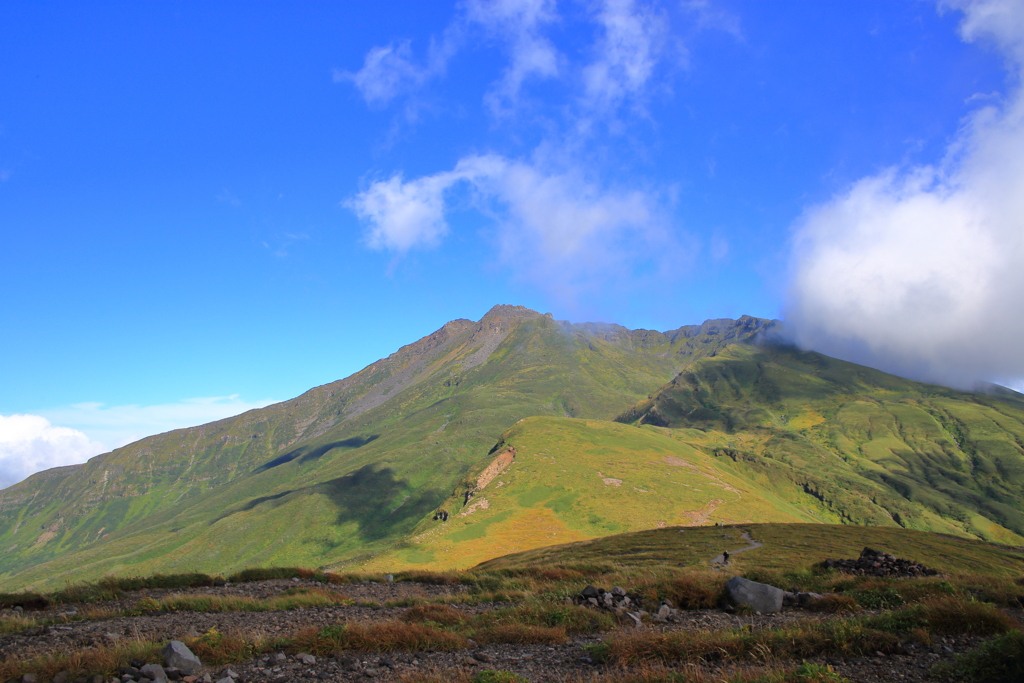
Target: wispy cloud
point(632, 43)
point(519, 24)
point(30, 443)
point(564, 232)
point(917, 270)
point(388, 71)
point(116, 426)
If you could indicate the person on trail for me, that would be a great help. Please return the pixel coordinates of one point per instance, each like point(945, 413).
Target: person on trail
point(725, 557)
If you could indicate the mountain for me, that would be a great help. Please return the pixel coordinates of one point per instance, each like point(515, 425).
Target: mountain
point(345, 470)
point(520, 431)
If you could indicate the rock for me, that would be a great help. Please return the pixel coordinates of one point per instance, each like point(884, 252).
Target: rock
point(226, 679)
point(305, 658)
point(62, 677)
point(589, 592)
point(759, 597)
point(97, 678)
point(470, 643)
point(280, 657)
point(389, 578)
point(805, 599)
point(177, 655)
point(664, 612)
point(874, 563)
point(637, 621)
point(349, 663)
point(231, 673)
point(154, 672)
point(482, 657)
point(173, 674)
point(28, 678)
point(619, 592)
point(137, 663)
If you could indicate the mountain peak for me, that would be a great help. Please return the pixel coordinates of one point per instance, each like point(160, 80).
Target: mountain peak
point(509, 312)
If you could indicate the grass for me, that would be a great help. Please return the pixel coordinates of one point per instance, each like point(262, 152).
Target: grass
point(999, 660)
point(295, 598)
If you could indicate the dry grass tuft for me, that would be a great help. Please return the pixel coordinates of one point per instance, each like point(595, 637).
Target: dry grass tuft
point(439, 614)
point(834, 603)
point(521, 634)
point(380, 636)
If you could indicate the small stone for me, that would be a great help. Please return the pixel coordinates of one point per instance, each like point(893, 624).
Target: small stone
point(470, 643)
point(28, 678)
point(280, 657)
point(230, 673)
point(296, 579)
point(482, 657)
point(226, 679)
point(154, 672)
point(62, 677)
point(589, 592)
point(389, 578)
point(207, 678)
point(620, 592)
point(306, 659)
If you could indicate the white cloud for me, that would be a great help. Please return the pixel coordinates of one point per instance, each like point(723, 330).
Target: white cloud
point(29, 443)
point(403, 215)
point(632, 43)
point(387, 72)
point(519, 23)
point(918, 271)
point(561, 231)
point(116, 426)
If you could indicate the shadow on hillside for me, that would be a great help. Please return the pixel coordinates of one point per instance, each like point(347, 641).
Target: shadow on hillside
point(373, 498)
point(307, 453)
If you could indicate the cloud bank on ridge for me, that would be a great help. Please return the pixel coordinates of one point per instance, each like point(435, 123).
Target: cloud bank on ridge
point(918, 271)
point(32, 443)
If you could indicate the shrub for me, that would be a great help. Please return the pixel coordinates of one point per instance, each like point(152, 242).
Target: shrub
point(1000, 660)
point(883, 597)
point(695, 591)
point(26, 601)
point(835, 603)
point(270, 573)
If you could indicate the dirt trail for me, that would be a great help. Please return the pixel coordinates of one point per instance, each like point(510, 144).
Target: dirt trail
point(720, 559)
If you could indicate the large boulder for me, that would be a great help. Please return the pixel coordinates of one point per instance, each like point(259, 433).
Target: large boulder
point(178, 656)
point(759, 597)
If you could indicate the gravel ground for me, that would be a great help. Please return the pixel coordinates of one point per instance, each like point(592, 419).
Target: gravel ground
point(537, 663)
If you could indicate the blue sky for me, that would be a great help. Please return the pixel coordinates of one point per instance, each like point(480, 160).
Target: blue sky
point(205, 208)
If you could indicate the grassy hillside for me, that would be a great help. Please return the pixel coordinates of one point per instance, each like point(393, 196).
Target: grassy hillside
point(348, 468)
point(786, 548)
point(871, 447)
point(580, 479)
point(490, 437)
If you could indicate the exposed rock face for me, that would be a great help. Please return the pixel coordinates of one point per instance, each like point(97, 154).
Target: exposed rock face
point(759, 597)
point(875, 563)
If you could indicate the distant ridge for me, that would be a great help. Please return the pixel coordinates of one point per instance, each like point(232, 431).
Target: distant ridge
point(354, 472)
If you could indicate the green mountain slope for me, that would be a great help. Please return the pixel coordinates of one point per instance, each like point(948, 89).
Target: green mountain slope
point(343, 471)
point(870, 447)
